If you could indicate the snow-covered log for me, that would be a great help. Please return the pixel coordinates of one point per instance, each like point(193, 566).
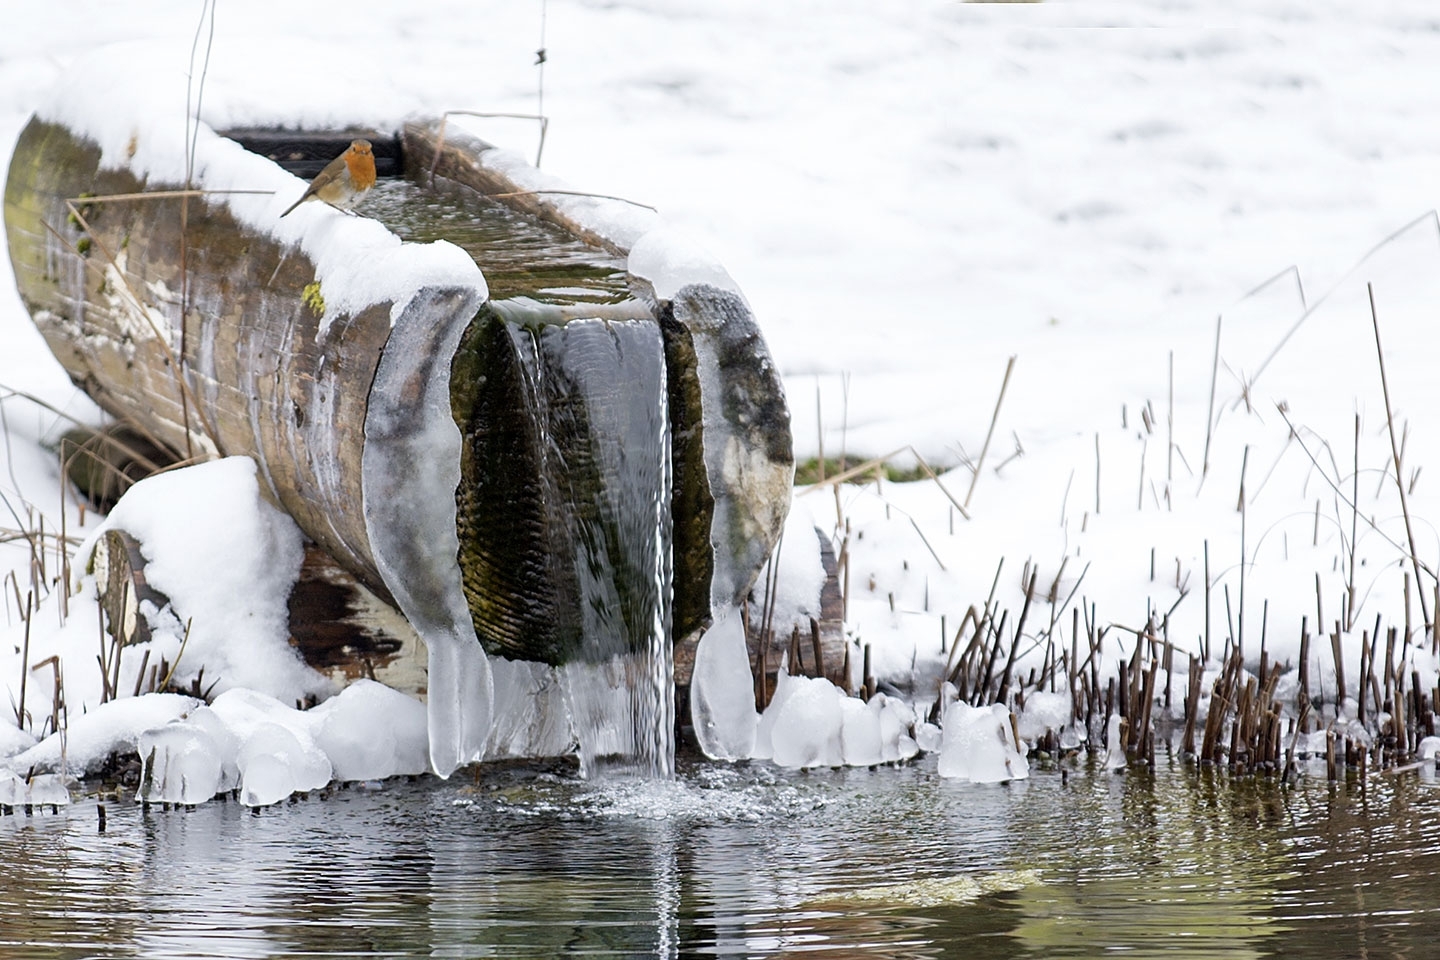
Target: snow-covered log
point(329, 352)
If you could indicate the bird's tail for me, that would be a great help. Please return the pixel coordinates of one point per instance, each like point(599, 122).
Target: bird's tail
point(294, 205)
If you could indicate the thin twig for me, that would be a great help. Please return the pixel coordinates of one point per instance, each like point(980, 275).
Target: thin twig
point(165, 195)
point(445, 119)
point(1210, 409)
point(1395, 449)
point(1431, 216)
point(568, 193)
point(1346, 500)
point(183, 641)
point(980, 463)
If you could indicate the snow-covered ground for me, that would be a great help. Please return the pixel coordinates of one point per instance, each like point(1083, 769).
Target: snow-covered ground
point(910, 195)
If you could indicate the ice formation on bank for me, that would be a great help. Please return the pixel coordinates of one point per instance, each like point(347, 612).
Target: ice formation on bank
point(810, 722)
point(46, 789)
point(246, 741)
point(1114, 743)
point(188, 760)
point(410, 469)
point(979, 744)
point(101, 732)
point(266, 750)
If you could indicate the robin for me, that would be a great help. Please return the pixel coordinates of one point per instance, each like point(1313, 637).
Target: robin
point(345, 180)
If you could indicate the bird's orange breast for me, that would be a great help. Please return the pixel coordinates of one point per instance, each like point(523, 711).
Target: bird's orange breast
point(361, 165)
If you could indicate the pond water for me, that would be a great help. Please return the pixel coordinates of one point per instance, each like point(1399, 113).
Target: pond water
point(743, 861)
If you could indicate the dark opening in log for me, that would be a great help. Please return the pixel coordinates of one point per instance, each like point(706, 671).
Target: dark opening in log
point(306, 152)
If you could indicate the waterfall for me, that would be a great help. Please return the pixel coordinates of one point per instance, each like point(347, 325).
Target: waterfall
point(565, 520)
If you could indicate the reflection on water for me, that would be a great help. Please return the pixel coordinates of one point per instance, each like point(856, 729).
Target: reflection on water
point(742, 861)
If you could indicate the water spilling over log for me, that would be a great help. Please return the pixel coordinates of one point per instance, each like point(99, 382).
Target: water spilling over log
point(571, 461)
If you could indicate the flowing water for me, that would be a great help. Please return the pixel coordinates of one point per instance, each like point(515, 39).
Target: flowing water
point(564, 503)
point(520, 255)
point(601, 390)
point(743, 861)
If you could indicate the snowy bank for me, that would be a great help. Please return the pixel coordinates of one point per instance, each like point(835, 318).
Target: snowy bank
point(1199, 152)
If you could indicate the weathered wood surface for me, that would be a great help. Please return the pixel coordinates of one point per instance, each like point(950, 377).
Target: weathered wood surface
point(337, 626)
point(443, 150)
point(241, 370)
point(347, 633)
point(175, 317)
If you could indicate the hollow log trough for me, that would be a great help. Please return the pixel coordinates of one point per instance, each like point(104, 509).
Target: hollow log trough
point(491, 430)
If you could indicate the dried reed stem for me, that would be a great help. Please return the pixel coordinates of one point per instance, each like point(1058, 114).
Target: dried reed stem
point(1394, 448)
point(980, 463)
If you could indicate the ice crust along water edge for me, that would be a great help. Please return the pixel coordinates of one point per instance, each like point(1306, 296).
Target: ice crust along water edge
point(848, 717)
point(722, 696)
point(252, 741)
point(267, 749)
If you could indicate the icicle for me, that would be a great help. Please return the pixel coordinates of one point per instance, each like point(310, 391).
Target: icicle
point(722, 692)
point(410, 470)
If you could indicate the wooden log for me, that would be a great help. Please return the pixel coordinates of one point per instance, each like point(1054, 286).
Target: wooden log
point(337, 626)
point(241, 370)
point(347, 633)
point(119, 569)
point(732, 462)
point(206, 333)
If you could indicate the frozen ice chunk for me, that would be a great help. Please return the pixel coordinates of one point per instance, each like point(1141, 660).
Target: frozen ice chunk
point(370, 732)
point(242, 711)
point(12, 788)
point(860, 740)
point(896, 718)
point(928, 737)
point(979, 745)
point(1114, 743)
point(459, 702)
point(807, 729)
point(877, 731)
point(49, 789)
point(226, 744)
point(810, 722)
point(1429, 747)
point(531, 719)
point(722, 691)
point(410, 470)
point(785, 685)
point(180, 763)
point(265, 779)
point(1043, 712)
point(275, 763)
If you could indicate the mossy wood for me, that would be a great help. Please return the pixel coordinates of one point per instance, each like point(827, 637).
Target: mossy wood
point(256, 378)
point(204, 334)
point(336, 625)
